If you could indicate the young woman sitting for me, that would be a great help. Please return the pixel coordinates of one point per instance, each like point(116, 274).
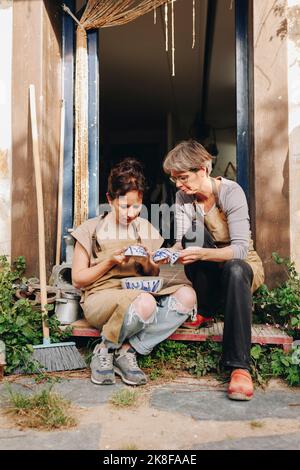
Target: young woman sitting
point(130, 320)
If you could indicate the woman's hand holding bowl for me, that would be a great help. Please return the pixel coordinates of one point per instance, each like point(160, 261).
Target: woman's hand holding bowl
point(119, 258)
point(191, 255)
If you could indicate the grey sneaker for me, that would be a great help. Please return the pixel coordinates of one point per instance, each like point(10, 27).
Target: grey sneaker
point(125, 365)
point(102, 367)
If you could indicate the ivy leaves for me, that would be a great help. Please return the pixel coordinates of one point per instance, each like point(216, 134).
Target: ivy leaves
point(282, 304)
point(20, 322)
point(269, 362)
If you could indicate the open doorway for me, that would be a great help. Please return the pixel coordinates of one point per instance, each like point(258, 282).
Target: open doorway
point(144, 111)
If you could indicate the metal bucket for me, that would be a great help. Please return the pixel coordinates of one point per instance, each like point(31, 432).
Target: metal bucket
point(68, 308)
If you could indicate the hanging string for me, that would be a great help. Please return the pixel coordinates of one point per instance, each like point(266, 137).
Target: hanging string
point(154, 13)
point(173, 38)
point(194, 24)
point(67, 10)
point(231, 5)
point(167, 26)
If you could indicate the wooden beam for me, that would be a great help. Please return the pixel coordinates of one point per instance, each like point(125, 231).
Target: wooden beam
point(52, 96)
point(36, 60)
point(271, 160)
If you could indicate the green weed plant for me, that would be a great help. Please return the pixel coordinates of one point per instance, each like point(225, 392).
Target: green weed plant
point(20, 322)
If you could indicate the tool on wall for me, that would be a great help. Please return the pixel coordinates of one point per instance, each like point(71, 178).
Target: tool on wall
point(57, 356)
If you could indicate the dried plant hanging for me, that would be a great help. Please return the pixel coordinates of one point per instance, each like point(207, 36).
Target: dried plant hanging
point(106, 13)
point(173, 38)
point(81, 176)
point(231, 5)
point(194, 24)
point(154, 15)
point(167, 25)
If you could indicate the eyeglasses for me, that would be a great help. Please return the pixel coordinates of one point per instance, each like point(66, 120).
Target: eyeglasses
point(184, 178)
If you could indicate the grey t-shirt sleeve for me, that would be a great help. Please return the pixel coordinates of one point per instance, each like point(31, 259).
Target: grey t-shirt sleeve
point(234, 204)
point(183, 216)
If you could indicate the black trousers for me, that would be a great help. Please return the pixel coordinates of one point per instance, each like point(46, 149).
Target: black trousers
point(225, 287)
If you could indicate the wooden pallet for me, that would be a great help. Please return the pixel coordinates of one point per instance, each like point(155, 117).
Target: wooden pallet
point(261, 334)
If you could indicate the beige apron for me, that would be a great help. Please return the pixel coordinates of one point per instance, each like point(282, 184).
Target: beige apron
point(104, 302)
point(216, 223)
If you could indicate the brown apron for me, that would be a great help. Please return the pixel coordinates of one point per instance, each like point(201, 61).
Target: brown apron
point(104, 302)
point(216, 223)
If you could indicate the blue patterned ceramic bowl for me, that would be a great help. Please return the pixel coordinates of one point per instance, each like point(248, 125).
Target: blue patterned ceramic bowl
point(164, 253)
point(136, 250)
point(147, 284)
point(161, 254)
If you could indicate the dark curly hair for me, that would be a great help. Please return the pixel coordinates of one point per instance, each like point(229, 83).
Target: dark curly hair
point(125, 176)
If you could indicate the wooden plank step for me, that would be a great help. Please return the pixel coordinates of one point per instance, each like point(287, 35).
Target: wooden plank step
point(83, 328)
point(261, 334)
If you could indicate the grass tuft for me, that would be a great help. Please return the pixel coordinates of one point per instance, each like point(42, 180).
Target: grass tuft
point(130, 446)
point(256, 424)
point(124, 398)
point(44, 410)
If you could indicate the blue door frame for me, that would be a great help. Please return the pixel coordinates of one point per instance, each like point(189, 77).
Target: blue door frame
point(68, 56)
point(94, 102)
point(243, 95)
point(242, 102)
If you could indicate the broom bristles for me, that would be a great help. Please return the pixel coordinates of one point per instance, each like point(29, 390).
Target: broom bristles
point(59, 357)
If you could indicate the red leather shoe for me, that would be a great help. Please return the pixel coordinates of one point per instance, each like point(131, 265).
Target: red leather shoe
point(200, 321)
point(241, 385)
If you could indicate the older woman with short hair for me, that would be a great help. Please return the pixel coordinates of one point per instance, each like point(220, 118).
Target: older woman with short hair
point(213, 234)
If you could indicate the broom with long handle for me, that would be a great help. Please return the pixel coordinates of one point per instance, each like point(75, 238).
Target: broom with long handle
point(57, 356)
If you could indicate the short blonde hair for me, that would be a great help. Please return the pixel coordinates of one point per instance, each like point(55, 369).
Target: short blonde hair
point(186, 156)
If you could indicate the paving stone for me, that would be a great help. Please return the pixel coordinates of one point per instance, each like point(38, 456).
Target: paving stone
point(282, 442)
point(80, 391)
point(83, 438)
point(85, 393)
point(186, 399)
point(212, 405)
